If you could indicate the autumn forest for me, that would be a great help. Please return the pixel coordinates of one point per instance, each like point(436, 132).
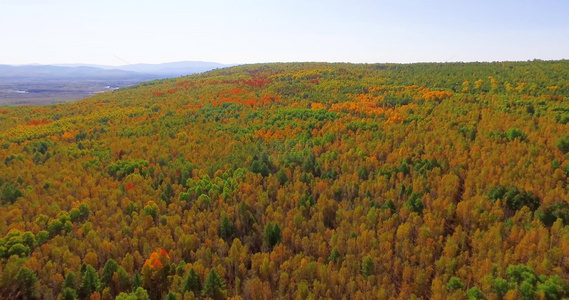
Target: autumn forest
point(294, 181)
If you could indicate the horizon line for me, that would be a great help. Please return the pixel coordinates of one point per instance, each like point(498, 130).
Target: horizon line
point(79, 64)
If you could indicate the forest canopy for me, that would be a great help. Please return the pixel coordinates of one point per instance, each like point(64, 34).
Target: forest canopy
point(297, 180)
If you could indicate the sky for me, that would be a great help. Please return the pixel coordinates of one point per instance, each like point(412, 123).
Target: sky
point(119, 32)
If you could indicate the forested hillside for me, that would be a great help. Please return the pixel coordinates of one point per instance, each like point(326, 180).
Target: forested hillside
point(294, 181)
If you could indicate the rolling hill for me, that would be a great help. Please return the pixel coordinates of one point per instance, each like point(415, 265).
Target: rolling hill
point(294, 181)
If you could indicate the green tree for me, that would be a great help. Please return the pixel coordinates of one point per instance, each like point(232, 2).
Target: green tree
point(454, 284)
point(514, 198)
point(563, 144)
point(70, 281)
point(550, 213)
point(10, 193)
point(108, 270)
point(368, 267)
point(29, 239)
point(124, 281)
point(363, 173)
point(192, 283)
point(271, 235)
point(415, 202)
point(515, 133)
point(500, 287)
point(74, 215)
point(214, 286)
point(334, 255)
point(141, 294)
point(138, 294)
point(80, 213)
point(171, 296)
point(125, 296)
point(527, 290)
point(520, 273)
point(167, 193)
point(42, 237)
point(68, 294)
point(26, 281)
point(372, 218)
point(90, 282)
point(137, 281)
point(151, 209)
point(404, 168)
point(474, 294)
point(54, 227)
point(553, 288)
point(84, 211)
point(226, 228)
point(388, 205)
point(260, 167)
point(281, 176)
point(19, 250)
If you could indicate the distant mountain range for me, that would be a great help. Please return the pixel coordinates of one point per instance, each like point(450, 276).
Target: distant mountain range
point(30, 73)
point(45, 84)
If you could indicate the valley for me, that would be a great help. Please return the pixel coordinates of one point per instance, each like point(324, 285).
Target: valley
point(48, 84)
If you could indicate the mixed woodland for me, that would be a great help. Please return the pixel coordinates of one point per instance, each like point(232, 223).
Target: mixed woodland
point(294, 181)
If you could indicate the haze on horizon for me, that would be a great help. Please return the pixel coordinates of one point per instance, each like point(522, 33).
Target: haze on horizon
point(127, 32)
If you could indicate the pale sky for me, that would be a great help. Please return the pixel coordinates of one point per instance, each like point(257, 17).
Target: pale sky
point(113, 32)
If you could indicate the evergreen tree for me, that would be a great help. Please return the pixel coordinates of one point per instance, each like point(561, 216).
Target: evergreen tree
point(125, 283)
point(137, 281)
point(563, 144)
point(271, 235)
point(10, 194)
point(281, 176)
point(68, 294)
point(167, 193)
point(26, 281)
point(368, 267)
point(260, 167)
point(415, 202)
point(171, 296)
point(334, 255)
point(192, 282)
point(226, 228)
point(388, 205)
point(90, 282)
point(108, 270)
point(70, 280)
point(83, 269)
point(214, 286)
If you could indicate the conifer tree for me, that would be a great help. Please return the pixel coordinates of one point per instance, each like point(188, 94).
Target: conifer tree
point(108, 270)
point(68, 294)
point(26, 281)
point(226, 228)
point(214, 286)
point(90, 282)
point(192, 283)
point(137, 281)
point(367, 267)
